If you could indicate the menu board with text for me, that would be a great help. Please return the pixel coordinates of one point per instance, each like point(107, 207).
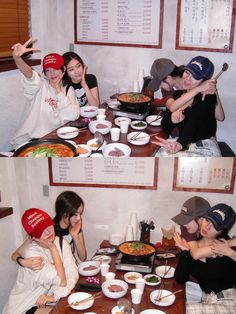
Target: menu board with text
point(104, 172)
point(215, 174)
point(205, 25)
point(119, 22)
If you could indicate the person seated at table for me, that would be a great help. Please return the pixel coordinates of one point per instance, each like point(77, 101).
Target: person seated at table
point(69, 208)
point(216, 275)
point(49, 107)
point(35, 289)
point(194, 117)
point(85, 85)
point(169, 77)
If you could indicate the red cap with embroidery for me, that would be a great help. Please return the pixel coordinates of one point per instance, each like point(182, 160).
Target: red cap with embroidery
point(53, 60)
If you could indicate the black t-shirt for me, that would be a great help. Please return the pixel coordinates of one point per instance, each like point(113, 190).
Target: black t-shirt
point(80, 93)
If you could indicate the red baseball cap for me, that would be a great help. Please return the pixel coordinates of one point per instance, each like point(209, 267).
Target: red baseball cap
point(35, 221)
point(53, 60)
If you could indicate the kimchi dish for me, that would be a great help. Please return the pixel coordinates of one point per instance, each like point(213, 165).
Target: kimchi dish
point(136, 248)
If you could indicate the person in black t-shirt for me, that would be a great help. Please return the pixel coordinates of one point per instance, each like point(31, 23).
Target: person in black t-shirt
point(85, 85)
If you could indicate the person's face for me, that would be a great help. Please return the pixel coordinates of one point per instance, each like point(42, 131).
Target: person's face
point(207, 229)
point(48, 234)
point(53, 75)
point(75, 70)
point(191, 227)
point(77, 216)
point(189, 82)
point(167, 84)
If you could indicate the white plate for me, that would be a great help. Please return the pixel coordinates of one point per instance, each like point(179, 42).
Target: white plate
point(131, 276)
point(152, 283)
point(115, 310)
point(67, 132)
point(149, 120)
point(118, 120)
point(116, 148)
point(113, 104)
point(152, 311)
point(83, 147)
point(88, 111)
point(142, 139)
point(164, 302)
point(93, 141)
point(71, 142)
point(79, 296)
point(102, 258)
point(160, 271)
point(135, 127)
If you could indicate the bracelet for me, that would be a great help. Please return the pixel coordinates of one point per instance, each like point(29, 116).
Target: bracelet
point(18, 260)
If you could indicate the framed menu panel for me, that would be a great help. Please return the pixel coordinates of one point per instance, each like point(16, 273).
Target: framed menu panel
point(129, 173)
point(205, 25)
point(137, 23)
point(215, 174)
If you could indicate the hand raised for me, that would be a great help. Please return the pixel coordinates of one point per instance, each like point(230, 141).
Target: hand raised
point(19, 49)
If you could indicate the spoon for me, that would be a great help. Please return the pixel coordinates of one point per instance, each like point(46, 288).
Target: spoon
point(124, 305)
point(100, 140)
point(225, 67)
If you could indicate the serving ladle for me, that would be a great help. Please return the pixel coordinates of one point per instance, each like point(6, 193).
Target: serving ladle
point(124, 305)
point(100, 140)
point(225, 67)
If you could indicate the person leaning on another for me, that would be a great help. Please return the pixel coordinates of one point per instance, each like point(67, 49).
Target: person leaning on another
point(49, 107)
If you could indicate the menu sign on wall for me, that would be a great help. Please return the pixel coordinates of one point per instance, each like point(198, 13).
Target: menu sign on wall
point(205, 25)
point(119, 22)
point(104, 172)
point(215, 174)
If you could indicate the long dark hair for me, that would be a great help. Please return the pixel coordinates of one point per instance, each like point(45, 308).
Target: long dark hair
point(178, 71)
point(67, 203)
point(68, 56)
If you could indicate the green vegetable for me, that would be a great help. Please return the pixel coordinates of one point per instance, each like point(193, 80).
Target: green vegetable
point(152, 279)
point(139, 124)
point(42, 152)
point(136, 245)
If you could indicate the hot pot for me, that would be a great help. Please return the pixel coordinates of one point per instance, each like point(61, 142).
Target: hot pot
point(129, 251)
point(134, 102)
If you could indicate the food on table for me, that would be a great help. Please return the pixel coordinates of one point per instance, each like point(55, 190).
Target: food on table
point(80, 150)
point(133, 98)
point(90, 267)
point(115, 288)
point(139, 124)
point(136, 248)
point(101, 126)
point(89, 110)
point(47, 150)
point(116, 152)
point(133, 277)
point(152, 279)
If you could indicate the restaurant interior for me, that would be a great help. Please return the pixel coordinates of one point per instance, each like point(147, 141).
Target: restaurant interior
point(25, 183)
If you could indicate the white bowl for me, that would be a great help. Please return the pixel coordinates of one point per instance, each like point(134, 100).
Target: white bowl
point(165, 271)
point(93, 144)
point(131, 276)
point(142, 138)
point(96, 155)
point(119, 119)
point(114, 295)
point(116, 150)
point(79, 296)
point(164, 302)
point(82, 268)
point(83, 150)
point(88, 111)
point(149, 120)
point(148, 283)
point(102, 259)
point(134, 125)
point(152, 311)
point(115, 310)
point(67, 132)
point(103, 126)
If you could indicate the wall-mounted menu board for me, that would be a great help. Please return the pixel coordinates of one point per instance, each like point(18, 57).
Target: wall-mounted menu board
point(205, 25)
point(131, 173)
point(215, 174)
point(119, 22)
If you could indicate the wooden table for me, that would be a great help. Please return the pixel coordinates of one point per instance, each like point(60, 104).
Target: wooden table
point(148, 150)
point(105, 304)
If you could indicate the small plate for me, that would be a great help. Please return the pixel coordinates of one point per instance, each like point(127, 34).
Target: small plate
point(83, 150)
point(131, 276)
point(142, 138)
point(152, 311)
point(164, 302)
point(93, 144)
point(113, 104)
point(71, 142)
point(79, 296)
point(102, 258)
point(148, 283)
point(115, 310)
point(67, 132)
point(118, 120)
point(149, 120)
point(160, 271)
point(138, 125)
point(117, 150)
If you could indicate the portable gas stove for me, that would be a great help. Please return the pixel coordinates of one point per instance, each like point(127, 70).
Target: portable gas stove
point(132, 115)
point(144, 266)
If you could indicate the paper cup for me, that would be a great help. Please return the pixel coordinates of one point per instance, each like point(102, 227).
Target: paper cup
point(101, 111)
point(101, 117)
point(109, 276)
point(115, 134)
point(136, 296)
point(104, 268)
point(124, 126)
point(140, 283)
